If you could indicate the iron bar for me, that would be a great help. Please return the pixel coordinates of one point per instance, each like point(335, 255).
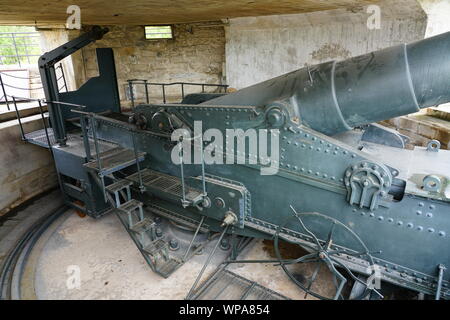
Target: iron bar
point(181, 154)
point(18, 118)
point(164, 93)
point(45, 126)
point(163, 86)
point(439, 284)
point(207, 263)
point(4, 92)
point(203, 167)
point(193, 238)
point(136, 155)
point(63, 76)
point(87, 147)
point(146, 92)
point(15, 48)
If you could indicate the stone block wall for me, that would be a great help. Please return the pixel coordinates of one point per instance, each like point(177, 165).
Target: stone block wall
point(195, 54)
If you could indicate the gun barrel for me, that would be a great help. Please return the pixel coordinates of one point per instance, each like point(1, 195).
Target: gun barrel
point(333, 97)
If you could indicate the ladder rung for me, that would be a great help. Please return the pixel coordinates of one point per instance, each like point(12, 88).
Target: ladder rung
point(143, 225)
point(156, 246)
point(168, 267)
point(129, 206)
point(118, 185)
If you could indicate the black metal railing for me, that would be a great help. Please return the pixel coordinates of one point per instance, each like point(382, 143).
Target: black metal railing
point(41, 103)
point(146, 84)
point(19, 119)
point(6, 98)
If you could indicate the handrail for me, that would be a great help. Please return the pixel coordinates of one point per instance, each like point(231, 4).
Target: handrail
point(4, 85)
point(163, 86)
point(41, 111)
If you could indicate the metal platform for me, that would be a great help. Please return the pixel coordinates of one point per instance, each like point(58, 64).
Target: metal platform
point(165, 183)
point(114, 160)
point(227, 285)
point(39, 137)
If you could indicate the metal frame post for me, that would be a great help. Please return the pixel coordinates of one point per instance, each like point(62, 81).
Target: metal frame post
point(4, 92)
point(18, 119)
point(45, 126)
point(146, 92)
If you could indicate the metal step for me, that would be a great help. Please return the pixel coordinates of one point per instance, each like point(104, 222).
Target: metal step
point(118, 185)
point(227, 285)
point(143, 226)
point(130, 206)
point(156, 247)
point(114, 160)
point(168, 267)
point(154, 180)
point(39, 137)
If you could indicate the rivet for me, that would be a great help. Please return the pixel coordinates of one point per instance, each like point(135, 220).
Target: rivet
point(429, 215)
point(399, 223)
point(442, 233)
point(418, 212)
point(419, 228)
point(410, 225)
point(432, 207)
point(430, 230)
point(421, 204)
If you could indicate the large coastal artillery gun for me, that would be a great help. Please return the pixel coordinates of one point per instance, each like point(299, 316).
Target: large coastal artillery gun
point(329, 180)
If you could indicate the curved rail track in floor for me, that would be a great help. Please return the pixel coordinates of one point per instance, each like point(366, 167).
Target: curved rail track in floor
point(23, 235)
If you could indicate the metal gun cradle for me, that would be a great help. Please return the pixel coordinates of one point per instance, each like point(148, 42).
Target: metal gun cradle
point(345, 189)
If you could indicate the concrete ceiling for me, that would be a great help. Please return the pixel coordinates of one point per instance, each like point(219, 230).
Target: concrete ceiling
point(140, 12)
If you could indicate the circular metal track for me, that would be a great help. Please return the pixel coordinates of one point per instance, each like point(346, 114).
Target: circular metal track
point(21, 237)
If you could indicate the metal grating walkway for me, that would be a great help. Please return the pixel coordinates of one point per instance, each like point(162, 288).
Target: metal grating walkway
point(165, 183)
point(114, 160)
point(39, 137)
point(227, 285)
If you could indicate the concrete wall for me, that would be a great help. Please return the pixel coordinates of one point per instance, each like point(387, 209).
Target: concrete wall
point(25, 170)
point(438, 12)
point(260, 48)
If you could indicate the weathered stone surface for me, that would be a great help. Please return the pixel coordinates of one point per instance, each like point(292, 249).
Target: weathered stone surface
point(195, 54)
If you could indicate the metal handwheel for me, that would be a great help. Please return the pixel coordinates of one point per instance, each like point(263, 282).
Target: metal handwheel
point(324, 252)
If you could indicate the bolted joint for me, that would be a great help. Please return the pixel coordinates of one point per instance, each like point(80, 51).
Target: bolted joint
point(230, 219)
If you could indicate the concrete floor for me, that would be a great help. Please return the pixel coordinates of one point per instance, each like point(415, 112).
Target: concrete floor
point(111, 267)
